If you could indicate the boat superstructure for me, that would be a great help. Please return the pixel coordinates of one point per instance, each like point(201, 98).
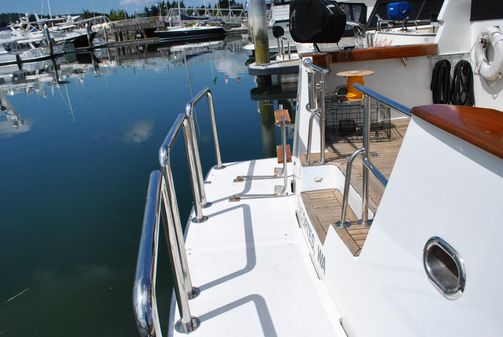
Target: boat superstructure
point(381, 220)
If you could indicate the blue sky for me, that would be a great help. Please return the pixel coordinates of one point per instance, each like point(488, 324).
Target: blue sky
point(66, 6)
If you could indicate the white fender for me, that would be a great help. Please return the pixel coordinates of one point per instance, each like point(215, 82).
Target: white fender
point(493, 70)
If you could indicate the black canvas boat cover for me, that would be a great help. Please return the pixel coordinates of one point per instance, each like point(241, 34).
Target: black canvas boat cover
point(316, 21)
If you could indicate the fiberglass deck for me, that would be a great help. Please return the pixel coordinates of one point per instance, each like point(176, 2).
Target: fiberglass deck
point(251, 263)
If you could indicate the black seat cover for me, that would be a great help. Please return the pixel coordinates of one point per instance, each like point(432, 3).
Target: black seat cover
point(316, 21)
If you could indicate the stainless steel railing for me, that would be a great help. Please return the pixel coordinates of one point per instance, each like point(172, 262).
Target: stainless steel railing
point(189, 112)
point(144, 289)
point(162, 202)
point(316, 106)
point(284, 154)
point(281, 45)
point(144, 296)
point(364, 153)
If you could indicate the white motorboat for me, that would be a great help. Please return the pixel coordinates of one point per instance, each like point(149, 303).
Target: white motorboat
point(14, 51)
point(407, 245)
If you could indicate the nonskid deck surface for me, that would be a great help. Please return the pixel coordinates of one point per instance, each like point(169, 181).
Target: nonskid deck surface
point(251, 263)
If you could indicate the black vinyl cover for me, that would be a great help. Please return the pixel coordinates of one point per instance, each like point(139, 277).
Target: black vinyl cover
point(316, 21)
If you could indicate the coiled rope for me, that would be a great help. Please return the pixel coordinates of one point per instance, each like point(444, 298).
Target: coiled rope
point(462, 84)
point(441, 82)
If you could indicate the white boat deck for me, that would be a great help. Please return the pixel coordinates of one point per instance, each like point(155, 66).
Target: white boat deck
point(251, 263)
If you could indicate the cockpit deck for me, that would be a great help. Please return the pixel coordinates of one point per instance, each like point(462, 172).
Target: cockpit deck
point(383, 156)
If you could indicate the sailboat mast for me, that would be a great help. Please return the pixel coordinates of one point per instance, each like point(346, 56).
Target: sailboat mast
point(49, 6)
point(179, 13)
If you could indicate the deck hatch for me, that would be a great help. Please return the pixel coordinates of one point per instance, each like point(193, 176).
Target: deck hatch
point(444, 268)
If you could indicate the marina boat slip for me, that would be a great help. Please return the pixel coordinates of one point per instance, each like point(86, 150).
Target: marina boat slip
point(382, 219)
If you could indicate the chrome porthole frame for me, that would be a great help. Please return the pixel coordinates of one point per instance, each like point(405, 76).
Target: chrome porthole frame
point(451, 293)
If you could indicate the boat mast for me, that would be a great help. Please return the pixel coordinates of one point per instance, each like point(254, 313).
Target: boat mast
point(179, 13)
point(49, 6)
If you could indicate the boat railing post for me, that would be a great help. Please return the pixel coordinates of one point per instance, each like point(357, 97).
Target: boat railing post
point(345, 197)
point(309, 135)
point(317, 94)
point(289, 51)
point(192, 159)
point(285, 159)
point(189, 113)
point(171, 207)
point(187, 323)
point(211, 107)
point(365, 173)
point(322, 119)
point(194, 145)
point(170, 200)
point(144, 295)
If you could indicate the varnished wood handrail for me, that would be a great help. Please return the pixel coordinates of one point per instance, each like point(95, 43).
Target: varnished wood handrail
point(374, 53)
point(479, 126)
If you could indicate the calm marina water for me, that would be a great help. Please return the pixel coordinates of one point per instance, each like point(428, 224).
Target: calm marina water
point(74, 177)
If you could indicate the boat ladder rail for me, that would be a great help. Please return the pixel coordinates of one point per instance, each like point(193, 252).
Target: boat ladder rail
point(162, 204)
point(316, 106)
point(364, 153)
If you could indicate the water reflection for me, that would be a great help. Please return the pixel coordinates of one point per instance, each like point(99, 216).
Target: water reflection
point(38, 78)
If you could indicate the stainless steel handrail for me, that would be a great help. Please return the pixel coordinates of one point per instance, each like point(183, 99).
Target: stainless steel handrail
point(389, 102)
point(189, 112)
point(309, 64)
point(144, 289)
point(364, 153)
point(172, 213)
point(343, 223)
point(162, 201)
point(282, 52)
point(144, 297)
point(319, 107)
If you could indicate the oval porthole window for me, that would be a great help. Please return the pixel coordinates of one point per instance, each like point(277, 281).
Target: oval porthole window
point(444, 268)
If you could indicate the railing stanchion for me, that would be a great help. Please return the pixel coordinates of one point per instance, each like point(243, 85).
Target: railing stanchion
point(285, 159)
point(197, 161)
point(309, 135)
point(211, 106)
point(345, 197)
point(196, 189)
point(319, 108)
point(171, 205)
point(187, 322)
point(365, 173)
point(323, 119)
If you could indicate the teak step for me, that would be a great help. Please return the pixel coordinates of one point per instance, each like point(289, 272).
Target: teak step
point(324, 209)
point(279, 153)
point(278, 114)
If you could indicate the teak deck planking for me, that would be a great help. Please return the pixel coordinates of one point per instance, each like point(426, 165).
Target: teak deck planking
point(324, 206)
point(324, 209)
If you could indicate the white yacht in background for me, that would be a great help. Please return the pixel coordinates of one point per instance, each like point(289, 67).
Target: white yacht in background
point(382, 220)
